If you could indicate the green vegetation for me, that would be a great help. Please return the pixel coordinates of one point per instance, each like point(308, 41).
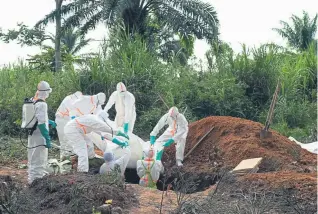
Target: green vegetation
point(143, 56)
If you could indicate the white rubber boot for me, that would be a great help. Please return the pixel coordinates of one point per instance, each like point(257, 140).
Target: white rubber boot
point(179, 163)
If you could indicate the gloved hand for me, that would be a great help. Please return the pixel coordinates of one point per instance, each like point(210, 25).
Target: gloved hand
point(169, 142)
point(125, 145)
point(119, 133)
point(120, 143)
point(102, 137)
point(159, 155)
point(52, 123)
point(126, 128)
point(45, 134)
point(152, 140)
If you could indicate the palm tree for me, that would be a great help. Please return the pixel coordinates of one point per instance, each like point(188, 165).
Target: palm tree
point(71, 43)
point(301, 33)
point(186, 17)
point(58, 20)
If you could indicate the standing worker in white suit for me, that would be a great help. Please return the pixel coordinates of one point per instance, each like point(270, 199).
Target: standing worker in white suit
point(125, 107)
point(61, 118)
point(39, 141)
point(176, 133)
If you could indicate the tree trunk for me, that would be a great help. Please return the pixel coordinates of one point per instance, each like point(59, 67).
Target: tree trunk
point(58, 58)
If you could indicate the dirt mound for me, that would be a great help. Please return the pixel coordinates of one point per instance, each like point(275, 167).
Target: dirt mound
point(77, 193)
point(233, 140)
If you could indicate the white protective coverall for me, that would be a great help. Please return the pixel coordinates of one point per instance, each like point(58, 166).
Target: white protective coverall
point(177, 130)
point(37, 157)
point(76, 131)
point(88, 105)
point(61, 118)
point(125, 106)
point(149, 170)
point(136, 145)
point(110, 161)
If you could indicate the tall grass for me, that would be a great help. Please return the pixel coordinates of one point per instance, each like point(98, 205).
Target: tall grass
point(239, 85)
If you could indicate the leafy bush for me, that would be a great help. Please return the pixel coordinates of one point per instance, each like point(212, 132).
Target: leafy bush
point(240, 86)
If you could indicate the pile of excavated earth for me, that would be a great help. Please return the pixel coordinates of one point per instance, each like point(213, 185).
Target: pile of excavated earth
point(284, 163)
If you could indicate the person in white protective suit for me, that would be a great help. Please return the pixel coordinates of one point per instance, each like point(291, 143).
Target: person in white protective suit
point(39, 141)
point(87, 105)
point(110, 161)
point(76, 131)
point(61, 118)
point(125, 107)
point(149, 169)
point(176, 132)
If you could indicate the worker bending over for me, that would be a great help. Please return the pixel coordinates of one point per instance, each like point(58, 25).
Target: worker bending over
point(88, 105)
point(125, 107)
point(176, 132)
point(61, 118)
point(149, 169)
point(76, 130)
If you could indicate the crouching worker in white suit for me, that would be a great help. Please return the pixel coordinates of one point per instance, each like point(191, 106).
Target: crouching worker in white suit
point(110, 162)
point(39, 141)
point(62, 117)
point(125, 107)
point(176, 133)
point(76, 130)
point(149, 170)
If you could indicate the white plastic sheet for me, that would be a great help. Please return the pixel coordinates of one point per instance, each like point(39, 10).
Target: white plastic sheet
point(311, 147)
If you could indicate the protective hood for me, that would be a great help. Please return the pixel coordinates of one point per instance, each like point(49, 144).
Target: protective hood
point(173, 112)
point(109, 156)
point(99, 99)
point(76, 95)
point(121, 87)
point(149, 153)
point(43, 91)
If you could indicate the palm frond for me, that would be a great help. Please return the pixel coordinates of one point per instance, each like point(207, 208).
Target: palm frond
point(65, 10)
point(82, 44)
point(91, 23)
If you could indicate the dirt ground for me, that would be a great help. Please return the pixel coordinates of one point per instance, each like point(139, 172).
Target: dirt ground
point(56, 194)
point(286, 172)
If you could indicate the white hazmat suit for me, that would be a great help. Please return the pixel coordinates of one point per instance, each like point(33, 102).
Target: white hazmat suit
point(110, 161)
point(125, 107)
point(149, 170)
point(88, 105)
point(61, 118)
point(37, 154)
point(176, 132)
point(76, 131)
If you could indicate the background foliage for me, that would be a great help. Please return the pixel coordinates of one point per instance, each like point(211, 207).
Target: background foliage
point(240, 87)
point(148, 49)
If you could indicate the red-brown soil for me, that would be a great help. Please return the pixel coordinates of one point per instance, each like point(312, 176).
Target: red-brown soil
point(233, 140)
